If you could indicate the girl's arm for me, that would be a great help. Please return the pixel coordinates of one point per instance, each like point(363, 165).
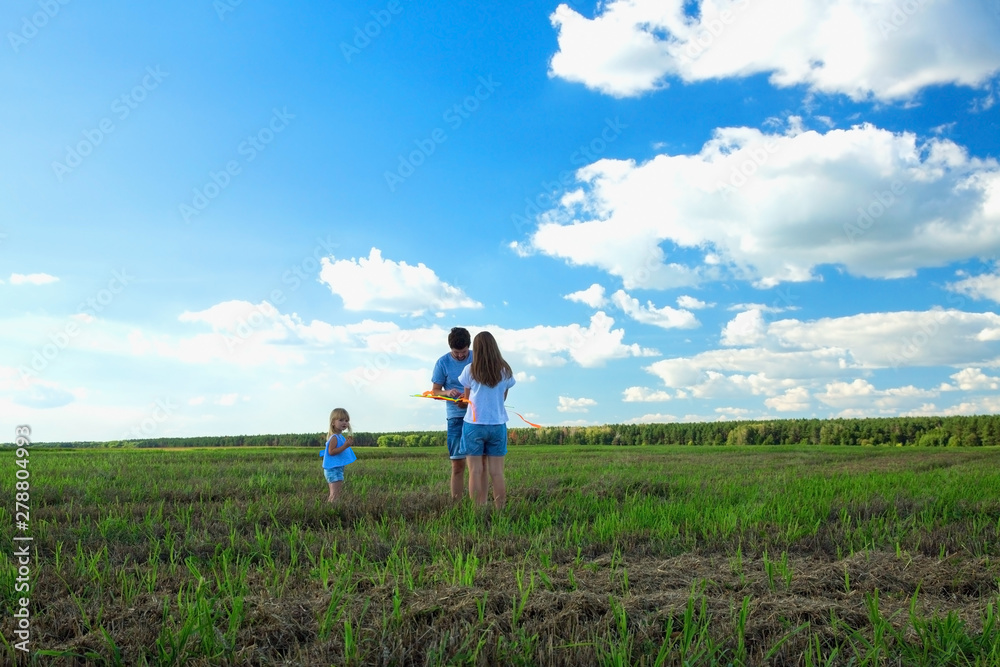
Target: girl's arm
point(333, 451)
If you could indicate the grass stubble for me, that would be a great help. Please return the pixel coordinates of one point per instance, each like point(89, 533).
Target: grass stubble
point(603, 556)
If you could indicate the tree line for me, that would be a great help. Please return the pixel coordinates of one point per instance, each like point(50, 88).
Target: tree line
point(957, 431)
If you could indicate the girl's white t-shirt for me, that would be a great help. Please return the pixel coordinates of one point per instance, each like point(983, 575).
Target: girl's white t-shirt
point(487, 402)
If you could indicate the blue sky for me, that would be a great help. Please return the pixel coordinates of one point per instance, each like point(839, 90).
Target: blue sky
point(231, 217)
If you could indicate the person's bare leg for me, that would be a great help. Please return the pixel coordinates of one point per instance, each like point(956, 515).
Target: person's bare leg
point(495, 466)
point(477, 473)
point(457, 478)
point(335, 488)
point(485, 480)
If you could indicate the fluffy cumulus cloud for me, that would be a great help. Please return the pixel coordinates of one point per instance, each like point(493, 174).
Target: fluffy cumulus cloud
point(589, 346)
point(982, 286)
point(787, 360)
point(746, 328)
point(860, 398)
point(567, 404)
point(644, 395)
point(374, 283)
point(972, 379)
point(771, 207)
point(896, 48)
point(593, 296)
point(666, 317)
point(690, 303)
point(795, 399)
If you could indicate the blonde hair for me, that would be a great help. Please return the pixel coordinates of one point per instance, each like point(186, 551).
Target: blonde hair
point(339, 413)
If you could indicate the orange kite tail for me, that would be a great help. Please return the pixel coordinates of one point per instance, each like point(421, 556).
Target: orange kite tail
point(526, 421)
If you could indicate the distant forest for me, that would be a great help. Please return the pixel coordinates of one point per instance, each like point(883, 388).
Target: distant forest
point(975, 431)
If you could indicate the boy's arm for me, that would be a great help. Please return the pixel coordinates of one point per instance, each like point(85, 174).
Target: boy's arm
point(438, 390)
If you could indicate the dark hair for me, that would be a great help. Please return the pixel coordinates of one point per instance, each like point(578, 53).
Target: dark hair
point(488, 366)
point(458, 338)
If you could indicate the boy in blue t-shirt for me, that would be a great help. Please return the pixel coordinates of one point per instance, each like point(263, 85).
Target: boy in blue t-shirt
point(445, 382)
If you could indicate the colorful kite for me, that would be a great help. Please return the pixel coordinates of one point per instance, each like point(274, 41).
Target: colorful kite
point(436, 397)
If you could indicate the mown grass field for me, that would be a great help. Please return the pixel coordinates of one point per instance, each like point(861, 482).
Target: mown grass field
point(603, 556)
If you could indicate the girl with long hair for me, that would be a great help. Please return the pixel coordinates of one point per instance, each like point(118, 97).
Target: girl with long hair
point(484, 432)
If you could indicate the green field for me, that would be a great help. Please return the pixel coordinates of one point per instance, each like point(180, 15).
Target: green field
point(603, 556)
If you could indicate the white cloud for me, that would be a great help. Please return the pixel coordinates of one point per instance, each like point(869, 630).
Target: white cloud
point(839, 394)
point(245, 333)
point(773, 207)
point(567, 404)
point(644, 395)
point(895, 48)
point(764, 308)
point(588, 346)
point(593, 296)
point(896, 339)
point(986, 405)
point(983, 286)
point(714, 384)
point(833, 352)
point(745, 329)
point(666, 317)
point(691, 303)
point(973, 379)
point(653, 418)
point(32, 279)
point(861, 395)
point(793, 400)
point(374, 283)
point(227, 399)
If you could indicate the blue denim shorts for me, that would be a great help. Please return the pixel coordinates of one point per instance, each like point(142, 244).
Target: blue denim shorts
point(484, 439)
point(334, 474)
point(455, 438)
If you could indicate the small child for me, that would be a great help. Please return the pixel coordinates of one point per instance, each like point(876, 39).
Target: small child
point(337, 452)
